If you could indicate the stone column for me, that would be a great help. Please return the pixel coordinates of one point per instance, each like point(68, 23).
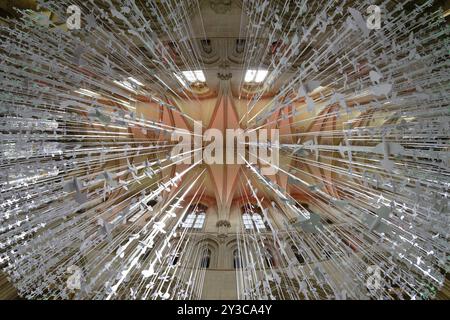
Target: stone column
point(223, 227)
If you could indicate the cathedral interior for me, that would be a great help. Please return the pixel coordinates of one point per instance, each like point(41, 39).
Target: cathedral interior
point(349, 100)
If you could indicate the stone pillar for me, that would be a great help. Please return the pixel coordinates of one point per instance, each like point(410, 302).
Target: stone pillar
point(223, 227)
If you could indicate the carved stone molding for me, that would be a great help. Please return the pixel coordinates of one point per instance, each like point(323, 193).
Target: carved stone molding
point(224, 76)
point(223, 226)
point(223, 223)
point(222, 237)
point(293, 220)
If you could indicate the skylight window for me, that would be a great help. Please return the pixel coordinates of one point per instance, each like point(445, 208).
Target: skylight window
point(194, 76)
point(199, 221)
point(257, 219)
point(195, 221)
point(248, 223)
point(256, 76)
point(189, 221)
point(252, 221)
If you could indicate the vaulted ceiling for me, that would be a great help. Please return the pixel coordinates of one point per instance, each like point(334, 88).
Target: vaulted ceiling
point(87, 117)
